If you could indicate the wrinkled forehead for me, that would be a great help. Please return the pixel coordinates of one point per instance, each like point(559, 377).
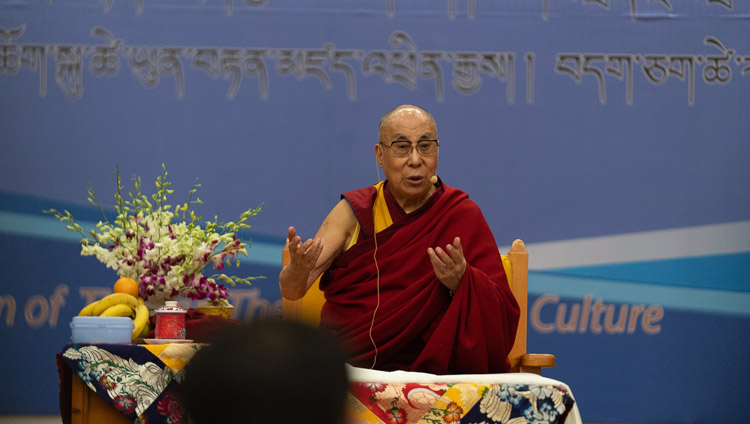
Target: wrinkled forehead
point(411, 123)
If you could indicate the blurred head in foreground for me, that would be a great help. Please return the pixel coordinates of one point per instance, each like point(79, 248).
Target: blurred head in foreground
point(267, 372)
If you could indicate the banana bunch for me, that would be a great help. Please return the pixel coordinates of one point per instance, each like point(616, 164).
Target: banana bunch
point(120, 305)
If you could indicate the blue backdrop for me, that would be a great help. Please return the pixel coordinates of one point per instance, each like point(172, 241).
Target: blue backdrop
point(611, 135)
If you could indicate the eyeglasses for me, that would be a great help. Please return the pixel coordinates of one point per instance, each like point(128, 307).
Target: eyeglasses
point(404, 148)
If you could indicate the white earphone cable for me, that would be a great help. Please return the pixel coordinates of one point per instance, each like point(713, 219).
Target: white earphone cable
point(377, 283)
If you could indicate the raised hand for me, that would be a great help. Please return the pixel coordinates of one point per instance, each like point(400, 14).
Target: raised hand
point(449, 264)
point(303, 256)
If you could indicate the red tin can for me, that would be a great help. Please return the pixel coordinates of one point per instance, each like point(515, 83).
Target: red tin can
point(170, 321)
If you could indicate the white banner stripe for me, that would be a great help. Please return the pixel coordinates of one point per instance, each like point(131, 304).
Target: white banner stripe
point(687, 242)
point(49, 228)
point(689, 299)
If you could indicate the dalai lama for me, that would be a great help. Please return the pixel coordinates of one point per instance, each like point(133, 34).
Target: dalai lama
point(413, 279)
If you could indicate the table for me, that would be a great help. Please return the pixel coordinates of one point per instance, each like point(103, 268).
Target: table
point(137, 383)
point(124, 383)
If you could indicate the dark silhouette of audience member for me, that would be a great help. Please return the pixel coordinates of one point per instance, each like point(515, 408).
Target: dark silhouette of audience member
point(271, 371)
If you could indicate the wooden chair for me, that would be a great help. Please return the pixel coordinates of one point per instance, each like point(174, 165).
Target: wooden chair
point(516, 263)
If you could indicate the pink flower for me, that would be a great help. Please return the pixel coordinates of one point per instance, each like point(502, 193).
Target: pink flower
point(169, 406)
point(218, 261)
point(125, 403)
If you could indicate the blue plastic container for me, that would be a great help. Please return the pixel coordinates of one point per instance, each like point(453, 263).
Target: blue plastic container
point(102, 329)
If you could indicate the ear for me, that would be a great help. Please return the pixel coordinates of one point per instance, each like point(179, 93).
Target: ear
point(379, 155)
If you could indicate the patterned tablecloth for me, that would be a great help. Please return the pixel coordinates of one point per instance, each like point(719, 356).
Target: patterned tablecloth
point(137, 380)
point(406, 397)
point(140, 381)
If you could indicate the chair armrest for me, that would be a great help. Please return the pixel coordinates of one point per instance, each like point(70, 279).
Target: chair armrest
point(532, 362)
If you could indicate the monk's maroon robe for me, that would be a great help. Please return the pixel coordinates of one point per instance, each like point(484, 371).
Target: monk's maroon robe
point(418, 325)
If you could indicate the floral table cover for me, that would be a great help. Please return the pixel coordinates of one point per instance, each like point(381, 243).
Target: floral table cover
point(402, 397)
point(140, 381)
point(465, 403)
point(137, 380)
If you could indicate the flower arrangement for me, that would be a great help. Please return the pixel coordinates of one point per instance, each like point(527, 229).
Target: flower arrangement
point(164, 249)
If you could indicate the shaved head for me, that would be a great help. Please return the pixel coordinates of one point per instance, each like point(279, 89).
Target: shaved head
point(416, 109)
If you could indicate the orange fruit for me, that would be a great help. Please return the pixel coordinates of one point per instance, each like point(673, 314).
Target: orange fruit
point(127, 285)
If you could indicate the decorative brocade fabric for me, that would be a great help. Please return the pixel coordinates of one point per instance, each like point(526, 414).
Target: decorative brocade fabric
point(140, 381)
point(137, 380)
point(464, 403)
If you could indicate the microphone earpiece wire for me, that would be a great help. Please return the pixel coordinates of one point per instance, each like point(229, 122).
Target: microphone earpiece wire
point(377, 282)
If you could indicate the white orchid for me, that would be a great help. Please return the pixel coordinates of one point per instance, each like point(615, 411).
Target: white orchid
point(167, 256)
